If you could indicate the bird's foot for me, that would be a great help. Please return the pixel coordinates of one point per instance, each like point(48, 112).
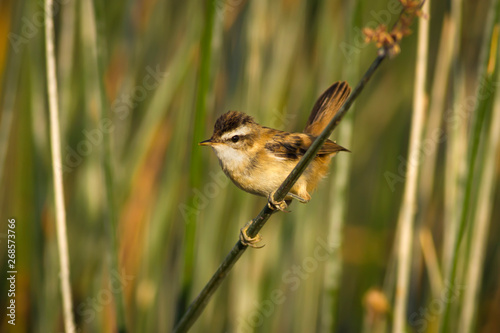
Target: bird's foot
point(276, 205)
point(247, 240)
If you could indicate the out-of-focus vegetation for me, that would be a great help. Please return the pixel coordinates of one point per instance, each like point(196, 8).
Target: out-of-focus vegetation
point(328, 265)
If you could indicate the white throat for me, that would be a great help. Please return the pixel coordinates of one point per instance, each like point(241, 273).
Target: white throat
point(231, 159)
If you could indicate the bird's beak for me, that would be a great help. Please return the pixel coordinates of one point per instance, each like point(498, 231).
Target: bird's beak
point(206, 143)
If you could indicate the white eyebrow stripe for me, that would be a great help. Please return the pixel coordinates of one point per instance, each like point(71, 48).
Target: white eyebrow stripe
point(239, 131)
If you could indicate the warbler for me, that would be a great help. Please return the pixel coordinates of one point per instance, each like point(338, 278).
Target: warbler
point(258, 158)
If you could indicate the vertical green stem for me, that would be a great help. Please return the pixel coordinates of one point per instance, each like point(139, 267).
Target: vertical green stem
point(484, 96)
point(488, 179)
point(195, 166)
point(106, 159)
point(337, 213)
point(456, 142)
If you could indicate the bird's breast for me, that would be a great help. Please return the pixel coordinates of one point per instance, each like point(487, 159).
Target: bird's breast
point(252, 172)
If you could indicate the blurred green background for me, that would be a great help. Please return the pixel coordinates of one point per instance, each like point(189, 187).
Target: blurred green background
point(169, 69)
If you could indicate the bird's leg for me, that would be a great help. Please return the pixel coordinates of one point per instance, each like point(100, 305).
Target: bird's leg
point(247, 240)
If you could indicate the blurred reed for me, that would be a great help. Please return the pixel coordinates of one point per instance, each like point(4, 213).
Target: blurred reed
point(482, 110)
point(339, 188)
point(407, 213)
point(270, 60)
point(96, 20)
point(57, 176)
point(478, 235)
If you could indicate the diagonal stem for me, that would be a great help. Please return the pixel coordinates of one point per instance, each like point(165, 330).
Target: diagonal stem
point(287, 185)
point(197, 306)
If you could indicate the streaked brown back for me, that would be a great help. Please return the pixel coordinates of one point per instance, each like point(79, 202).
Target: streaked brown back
point(326, 107)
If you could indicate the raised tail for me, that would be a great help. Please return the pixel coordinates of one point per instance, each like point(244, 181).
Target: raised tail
point(326, 107)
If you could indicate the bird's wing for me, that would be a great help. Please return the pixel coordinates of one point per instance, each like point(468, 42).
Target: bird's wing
point(295, 145)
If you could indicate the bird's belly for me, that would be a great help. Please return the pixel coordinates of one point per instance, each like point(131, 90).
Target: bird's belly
point(259, 180)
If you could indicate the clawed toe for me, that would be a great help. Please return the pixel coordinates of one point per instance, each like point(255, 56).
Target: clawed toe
point(276, 205)
point(282, 205)
point(247, 240)
point(298, 198)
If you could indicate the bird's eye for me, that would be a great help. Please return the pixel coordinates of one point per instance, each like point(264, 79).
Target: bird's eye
point(235, 138)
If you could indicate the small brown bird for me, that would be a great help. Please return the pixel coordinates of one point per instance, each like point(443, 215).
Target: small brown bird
point(258, 159)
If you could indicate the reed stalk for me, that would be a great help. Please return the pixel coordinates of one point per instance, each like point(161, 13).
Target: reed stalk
point(195, 162)
point(99, 54)
point(55, 144)
point(409, 204)
point(483, 214)
point(339, 194)
point(483, 106)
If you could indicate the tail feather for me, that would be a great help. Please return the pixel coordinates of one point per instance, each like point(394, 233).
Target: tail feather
point(326, 107)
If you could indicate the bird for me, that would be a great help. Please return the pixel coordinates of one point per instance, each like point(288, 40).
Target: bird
point(258, 158)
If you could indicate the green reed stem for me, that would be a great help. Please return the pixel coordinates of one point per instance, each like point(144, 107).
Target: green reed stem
point(107, 164)
point(485, 96)
point(195, 163)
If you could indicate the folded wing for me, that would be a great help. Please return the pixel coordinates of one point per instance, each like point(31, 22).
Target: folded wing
point(295, 145)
